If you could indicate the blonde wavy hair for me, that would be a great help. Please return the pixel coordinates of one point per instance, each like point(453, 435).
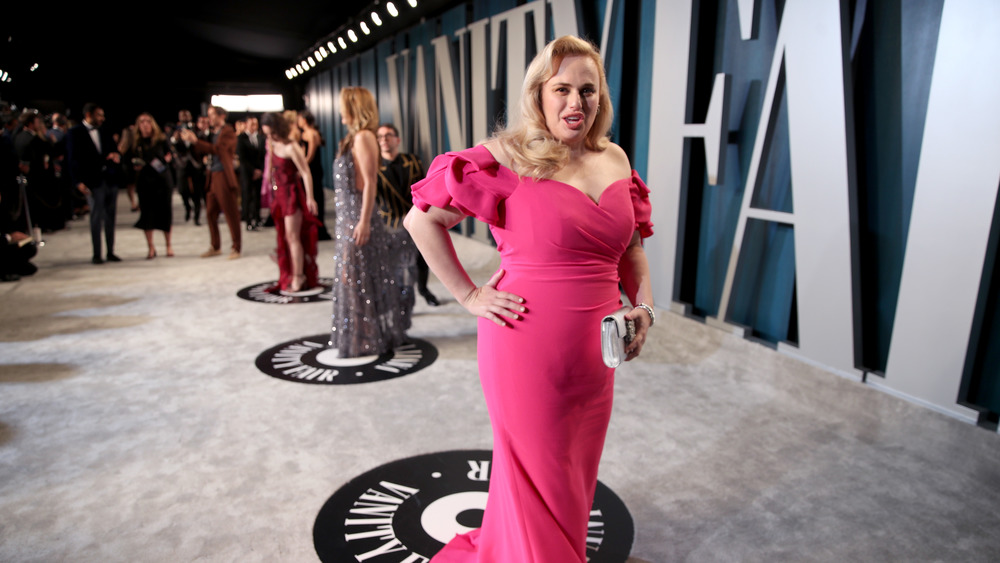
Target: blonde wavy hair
point(533, 151)
point(156, 137)
point(359, 105)
point(291, 117)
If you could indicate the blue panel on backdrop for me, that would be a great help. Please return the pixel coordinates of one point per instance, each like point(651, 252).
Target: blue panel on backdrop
point(613, 63)
point(367, 71)
point(644, 86)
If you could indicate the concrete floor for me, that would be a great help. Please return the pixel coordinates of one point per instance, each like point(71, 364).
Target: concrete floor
point(134, 426)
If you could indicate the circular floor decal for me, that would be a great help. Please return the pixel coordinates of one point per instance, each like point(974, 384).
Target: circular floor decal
point(411, 507)
point(267, 293)
point(308, 360)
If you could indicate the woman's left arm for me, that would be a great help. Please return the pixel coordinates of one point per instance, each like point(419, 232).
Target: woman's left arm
point(299, 158)
point(366, 164)
point(633, 269)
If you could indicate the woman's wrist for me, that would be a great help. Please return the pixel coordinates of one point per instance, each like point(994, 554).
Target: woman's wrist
point(649, 311)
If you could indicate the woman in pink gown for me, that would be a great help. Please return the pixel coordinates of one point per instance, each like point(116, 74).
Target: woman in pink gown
point(293, 208)
point(568, 214)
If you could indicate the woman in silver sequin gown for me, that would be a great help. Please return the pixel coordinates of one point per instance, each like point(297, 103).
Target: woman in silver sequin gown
point(369, 313)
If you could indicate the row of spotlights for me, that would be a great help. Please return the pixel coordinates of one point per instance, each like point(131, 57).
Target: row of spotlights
point(322, 53)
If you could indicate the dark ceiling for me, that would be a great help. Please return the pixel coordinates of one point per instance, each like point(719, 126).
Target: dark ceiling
point(158, 57)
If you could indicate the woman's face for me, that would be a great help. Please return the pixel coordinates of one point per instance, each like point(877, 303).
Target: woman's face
point(344, 118)
point(570, 98)
point(266, 129)
point(146, 126)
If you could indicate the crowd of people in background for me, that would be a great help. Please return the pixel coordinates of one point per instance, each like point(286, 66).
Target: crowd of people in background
point(54, 170)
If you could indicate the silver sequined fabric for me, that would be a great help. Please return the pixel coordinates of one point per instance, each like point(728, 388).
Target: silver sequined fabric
point(372, 284)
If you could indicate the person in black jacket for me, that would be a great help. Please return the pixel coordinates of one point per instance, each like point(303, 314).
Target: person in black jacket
point(94, 166)
point(397, 173)
point(34, 152)
point(250, 150)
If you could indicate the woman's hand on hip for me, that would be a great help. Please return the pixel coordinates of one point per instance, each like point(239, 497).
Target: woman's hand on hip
point(488, 302)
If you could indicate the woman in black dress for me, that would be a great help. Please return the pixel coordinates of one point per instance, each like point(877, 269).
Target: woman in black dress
point(312, 141)
point(150, 156)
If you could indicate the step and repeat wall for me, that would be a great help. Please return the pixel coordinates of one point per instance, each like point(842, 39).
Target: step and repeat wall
point(824, 173)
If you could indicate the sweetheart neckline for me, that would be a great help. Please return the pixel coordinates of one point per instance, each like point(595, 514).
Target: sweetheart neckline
point(596, 202)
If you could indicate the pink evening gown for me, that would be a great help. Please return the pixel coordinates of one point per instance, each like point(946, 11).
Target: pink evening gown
point(547, 390)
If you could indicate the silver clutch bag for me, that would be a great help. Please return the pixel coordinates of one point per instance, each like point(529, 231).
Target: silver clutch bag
point(616, 332)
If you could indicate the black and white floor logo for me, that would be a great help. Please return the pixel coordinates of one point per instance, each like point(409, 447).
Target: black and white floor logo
point(405, 511)
point(308, 360)
point(268, 292)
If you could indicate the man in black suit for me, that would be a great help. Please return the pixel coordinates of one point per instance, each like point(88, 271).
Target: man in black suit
point(94, 166)
point(250, 149)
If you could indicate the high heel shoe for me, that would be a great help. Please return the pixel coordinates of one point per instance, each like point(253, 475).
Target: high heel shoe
point(297, 282)
point(151, 255)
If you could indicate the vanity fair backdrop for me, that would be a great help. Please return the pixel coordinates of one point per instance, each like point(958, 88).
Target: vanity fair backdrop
point(823, 172)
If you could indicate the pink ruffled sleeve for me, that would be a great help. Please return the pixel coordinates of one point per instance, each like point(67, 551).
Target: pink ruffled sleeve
point(641, 206)
point(469, 181)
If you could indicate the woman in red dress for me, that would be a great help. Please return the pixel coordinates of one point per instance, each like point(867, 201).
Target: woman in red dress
point(293, 208)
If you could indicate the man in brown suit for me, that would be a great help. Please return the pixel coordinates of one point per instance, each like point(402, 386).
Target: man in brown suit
point(222, 189)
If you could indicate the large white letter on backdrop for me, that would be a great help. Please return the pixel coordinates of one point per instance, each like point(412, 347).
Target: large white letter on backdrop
point(420, 113)
point(953, 204)
point(517, 53)
point(477, 85)
point(395, 88)
point(809, 58)
point(809, 63)
point(444, 71)
point(672, 91)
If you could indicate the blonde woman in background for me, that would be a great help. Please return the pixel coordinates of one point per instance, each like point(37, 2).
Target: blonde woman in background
point(294, 133)
point(368, 316)
point(149, 157)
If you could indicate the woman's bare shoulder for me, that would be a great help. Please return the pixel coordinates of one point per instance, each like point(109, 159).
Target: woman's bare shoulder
point(614, 156)
point(499, 153)
point(281, 149)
